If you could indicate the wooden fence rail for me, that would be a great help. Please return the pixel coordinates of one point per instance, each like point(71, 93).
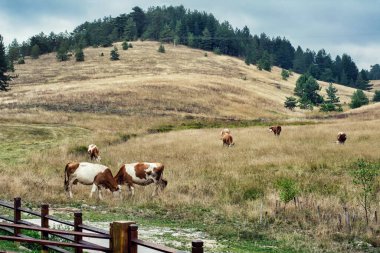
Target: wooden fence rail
point(122, 236)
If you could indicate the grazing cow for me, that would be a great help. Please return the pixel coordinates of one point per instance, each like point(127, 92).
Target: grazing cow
point(341, 138)
point(276, 130)
point(93, 152)
point(93, 174)
point(141, 173)
point(224, 131)
point(228, 140)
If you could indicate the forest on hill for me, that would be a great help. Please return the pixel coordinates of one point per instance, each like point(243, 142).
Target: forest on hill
point(202, 30)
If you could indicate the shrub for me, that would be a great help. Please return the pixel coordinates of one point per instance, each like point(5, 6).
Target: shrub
point(288, 189)
point(358, 99)
point(364, 175)
point(79, 55)
point(285, 74)
point(125, 45)
point(21, 61)
point(161, 48)
point(290, 103)
point(376, 97)
point(130, 45)
point(114, 54)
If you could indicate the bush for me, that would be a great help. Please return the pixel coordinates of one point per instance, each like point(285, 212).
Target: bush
point(114, 54)
point(130, 45)
point(285, 74)
point(358, 99)
point(125, 45)
point(161, 48)
point(21, 61)
point(79, 55)
point(290, 103)
point(288, 189)
point(376, 98)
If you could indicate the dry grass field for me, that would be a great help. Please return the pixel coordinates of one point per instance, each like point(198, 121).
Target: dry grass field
point(127, 108)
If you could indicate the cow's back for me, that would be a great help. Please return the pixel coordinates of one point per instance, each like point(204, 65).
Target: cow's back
point(86, 172)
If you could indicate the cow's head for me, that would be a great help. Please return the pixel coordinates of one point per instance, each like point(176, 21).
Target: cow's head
point(163, 183)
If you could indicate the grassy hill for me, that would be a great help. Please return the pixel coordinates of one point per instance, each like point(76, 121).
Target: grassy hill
point(129, 107)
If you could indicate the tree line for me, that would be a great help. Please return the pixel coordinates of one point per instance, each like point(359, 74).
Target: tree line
point(199, 30)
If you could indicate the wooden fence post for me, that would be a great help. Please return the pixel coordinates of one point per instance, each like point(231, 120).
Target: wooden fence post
point(77, 222)
point(16, 214)
point(119, 236)
point(197, 246)
point(44, 224)
point(132, 234)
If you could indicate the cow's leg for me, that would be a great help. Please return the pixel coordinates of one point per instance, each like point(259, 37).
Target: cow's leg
point(131, 190)
point(156, 189)
point(100, 193)
point(94, 188)
point(70, 186)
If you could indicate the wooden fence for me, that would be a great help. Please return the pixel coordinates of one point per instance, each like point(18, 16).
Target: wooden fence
point(122, 236)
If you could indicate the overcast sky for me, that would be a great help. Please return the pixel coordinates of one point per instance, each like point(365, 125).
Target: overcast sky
point(338, 26)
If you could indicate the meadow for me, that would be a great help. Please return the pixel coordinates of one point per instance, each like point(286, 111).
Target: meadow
point(170, 108)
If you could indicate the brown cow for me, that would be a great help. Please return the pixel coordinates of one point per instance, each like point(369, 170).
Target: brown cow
point(141, 173)
point(93, 174)
point(275, 129)
point(341, 138)
point(93, 152)
point(228, 140)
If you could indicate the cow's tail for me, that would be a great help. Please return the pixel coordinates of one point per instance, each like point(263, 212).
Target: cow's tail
point(66, 183)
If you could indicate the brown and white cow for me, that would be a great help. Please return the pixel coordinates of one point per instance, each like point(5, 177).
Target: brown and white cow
point(141, 173)
point(228, 140)
point(275, 129)
point(93, 174)
point(341, 138)
point(93, 152)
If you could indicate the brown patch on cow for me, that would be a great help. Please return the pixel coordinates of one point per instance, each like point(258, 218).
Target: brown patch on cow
point(122, 177)
point(106, 180)
point(159, 169)
point(140, 170)
point(70, 168)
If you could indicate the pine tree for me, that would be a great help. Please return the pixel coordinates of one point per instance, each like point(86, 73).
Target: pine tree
point(307, 88)
point(79, 55)
point(376, 97)
point(358, 99)
point(4, 78)
point(130, 30)
point(285, 74)
point(125, 45)
point(206, 43)
point(35, 52)
point(290, 103)
point(332, 101)
point(265, 62)
point(14, 51)
point(161, 48)
point(114, 54)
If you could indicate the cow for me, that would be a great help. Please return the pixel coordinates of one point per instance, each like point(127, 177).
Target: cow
point(224, 131)
point(341, 138)
point(141, 173)
point(93, 152)
point(275, 129)
point(228, 140)
point(93, 174)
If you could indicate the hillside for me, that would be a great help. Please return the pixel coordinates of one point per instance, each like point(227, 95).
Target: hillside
point(129, 109)
point(181, 82)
